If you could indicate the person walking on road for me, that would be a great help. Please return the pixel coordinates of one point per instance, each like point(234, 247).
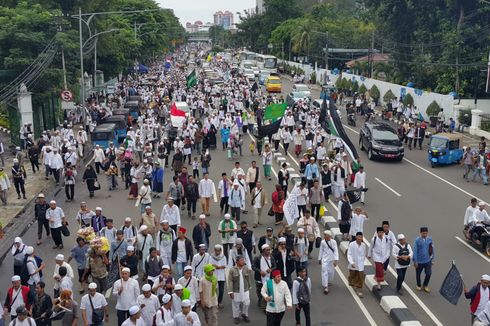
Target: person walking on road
point(402, 252)
point(40, 209)
point(356, 255)
point(56, 218)
point(94, 308)
point(479, 296)
point(301, 294)
point(276, 293)
point(236, 201)
point(239, 284)
point(328, 257)
point(90, 178)
point(19, 175)
point(228, 229)
point(208, 290)
point(171, 213)
point(423, 258)
point(127, 291)
point(206, 191)
point(379, 251)
point(259, 200)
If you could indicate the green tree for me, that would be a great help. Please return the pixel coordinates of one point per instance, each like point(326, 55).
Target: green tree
point(362, 89)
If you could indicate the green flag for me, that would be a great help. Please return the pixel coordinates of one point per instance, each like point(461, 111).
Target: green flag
point(275, 111)
point(191, 79)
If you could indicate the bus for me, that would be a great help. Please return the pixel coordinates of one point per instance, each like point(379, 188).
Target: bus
point(249, 56)
point(267, 63)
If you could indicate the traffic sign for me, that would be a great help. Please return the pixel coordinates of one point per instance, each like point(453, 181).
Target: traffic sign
point(66, 95)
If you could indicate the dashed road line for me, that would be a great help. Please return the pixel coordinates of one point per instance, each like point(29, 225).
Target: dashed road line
point(473, 249)
point(388, 187)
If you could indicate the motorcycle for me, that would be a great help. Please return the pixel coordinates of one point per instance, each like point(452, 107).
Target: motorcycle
point(481, 242)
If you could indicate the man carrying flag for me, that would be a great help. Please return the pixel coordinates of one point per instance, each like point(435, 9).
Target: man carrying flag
point(274, 113)
point(177, 116)
point(191, 79)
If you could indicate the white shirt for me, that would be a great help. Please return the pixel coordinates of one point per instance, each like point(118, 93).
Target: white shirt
point(470, 210)
point(181, 319)
point(56, 161)
point(282, 297)
point(395, 252)
point(360, 180)
point(236, 171)
point(193, 287)
point(328, 252)
point(31, 269)
point(168, 317)
point(302, 196)
point(151, 306)
point(198, 262)
point(480, 216)
point(265, 264)
point(55, 217)
point(221, 188)
point(206, 188)
point(357, 223)
point(219, 273)
point(356, 254)
point(129, 294)
point(483, 300)
point(380, 249)
point(296, 287)
point(99, 155)
point(181, 254)
point(129, 322)
point(25, 322)
point(69, 273)
point(98, 300)
point(171, 214)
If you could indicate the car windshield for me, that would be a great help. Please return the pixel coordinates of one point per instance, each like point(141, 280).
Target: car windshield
point(301, 88)
point(300, 94)
point(248, 71)
point(100, 135)
point(270, 63)
point(384, 134)
point(438, 142)
point(274, 81)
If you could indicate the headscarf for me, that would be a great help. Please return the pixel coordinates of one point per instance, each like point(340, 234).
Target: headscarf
point(211, 278)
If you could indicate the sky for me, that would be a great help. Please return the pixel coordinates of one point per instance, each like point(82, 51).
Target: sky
point(192, 10)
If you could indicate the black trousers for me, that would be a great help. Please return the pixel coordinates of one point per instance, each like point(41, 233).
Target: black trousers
point(235, 213)
point(19, 186)
point(401, 277)
point(276, 144)
point(221, 291)
point(35, 165)
point(98, 166)
point(70, 191)
point(223, 204)
point(122, 315)
point(306, 311)
point(301, 208)
point(56, 175)
point(42, 222)
point(274, 319)
point(56, 233)
point(315, 211)
point(191, 205)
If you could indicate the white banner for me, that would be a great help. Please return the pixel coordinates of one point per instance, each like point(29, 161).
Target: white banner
point(290, 207)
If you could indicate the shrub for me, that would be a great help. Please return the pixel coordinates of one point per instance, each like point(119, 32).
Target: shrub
point(374, 91)
point(355, 87)
point(433, 109)
point(362, 89)
point(313, 78)
point(408, 100)
point(388, 96)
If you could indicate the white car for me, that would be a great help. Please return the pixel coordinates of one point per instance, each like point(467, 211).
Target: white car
point(303, 89)
point(249, 73)
point(256, 71)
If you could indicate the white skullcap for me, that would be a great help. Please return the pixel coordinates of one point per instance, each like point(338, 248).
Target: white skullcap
point(143, 228)
point(265, 246)
point(166, 298)
point(400, 236)
point(125, 269)
point(485, 277)
point(227, 216)
point(218, 246)
point(60, 257)
point(187, 268)
point(165, 267)
point(15, 278)
point(202, 217)
point(127, 219)
point(327, 232)
point(98, 209)
point(134, 310)
point(17, 240)
point(282, 239)
point(178, 287)
point(53, 202)
point(92, 286)
point(186, 303)
point(202, 246)
point(146, 288)
point(482, 203)
point(130, 248)
point(301, 230)
point(164, 222)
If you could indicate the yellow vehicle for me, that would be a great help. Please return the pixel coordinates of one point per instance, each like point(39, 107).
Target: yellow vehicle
point(273, 84)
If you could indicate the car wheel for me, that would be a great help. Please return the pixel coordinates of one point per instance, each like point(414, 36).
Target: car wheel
point(370, 154)
point(432, 165)
point(487, 249)
point(361, 146)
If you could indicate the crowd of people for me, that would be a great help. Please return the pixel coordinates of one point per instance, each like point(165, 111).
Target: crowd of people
point(160, 272)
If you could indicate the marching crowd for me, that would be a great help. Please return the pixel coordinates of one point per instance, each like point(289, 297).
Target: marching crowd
point(162, 273)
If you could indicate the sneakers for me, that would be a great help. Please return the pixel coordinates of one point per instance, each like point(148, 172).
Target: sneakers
point(236, 320)
point(418, 288)
point(426, 289)
point(325, 291)
point(245, 318)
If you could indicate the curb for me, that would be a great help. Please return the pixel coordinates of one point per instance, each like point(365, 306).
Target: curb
point(389, 301)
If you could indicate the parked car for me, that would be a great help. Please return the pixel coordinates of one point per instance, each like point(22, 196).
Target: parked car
point(380, 140)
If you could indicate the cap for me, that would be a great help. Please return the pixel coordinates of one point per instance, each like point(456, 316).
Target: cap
point(202, 246)
point(15, 278)
point(146, 288)
point(21, 310)
point(238, 241)
point(275, 273)
point(41, 195)
point(166, 298)
point(60, 257)
point(265, 246)
point(127, 219)
point(170, 198)
point(269, 229)
point(92, 285)
point(282, 239)
point(148, 207)
point(202, 217)
point(485, 277)
point(98, 209)
point(327, 232)
point(17, 240)
point(400, 236)
point(130, 248)
point(187, 268)
point(29, 250)
point(301, 230)
point(164, 222)
point(185, 303)
point(134, 310)
point(178, 287)
point(482, 203)
point(227, 216)
point(165, 267)
point(182, 230)
point(126, 269)
point(16, 160)
point(218, 246)
point(52, 202)
point(143, 228)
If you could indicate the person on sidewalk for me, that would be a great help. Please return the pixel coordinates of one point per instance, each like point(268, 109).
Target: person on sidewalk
point(302, 296)
point(56, 218)
point(4, 186)
point(239, 284)
point(328, 257)
point(40, 209)
point(402, 252)
point(356, 255)
point(276, 293)
point(208, 290)
point(423, 258)
point(19, 175)
point(379, 251)
point(479, 296)
point(127, 291)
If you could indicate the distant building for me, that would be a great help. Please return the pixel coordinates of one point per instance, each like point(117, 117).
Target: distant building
point(260, 7)
point(194, 27)
point(224, 19)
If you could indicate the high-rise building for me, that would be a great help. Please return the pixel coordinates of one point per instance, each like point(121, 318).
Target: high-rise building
point(260, 7)
point(224, 19)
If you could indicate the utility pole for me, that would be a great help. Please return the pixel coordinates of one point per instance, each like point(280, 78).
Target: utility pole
point(326, 54)
point(82, 78)
point(95, 60)
point(371, 70)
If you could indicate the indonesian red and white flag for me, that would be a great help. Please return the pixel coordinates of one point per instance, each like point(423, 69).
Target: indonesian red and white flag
point(177, 116)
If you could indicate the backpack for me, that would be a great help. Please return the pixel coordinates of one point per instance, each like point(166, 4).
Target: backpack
point(155, 317)
point(345, 211)
point(303, 293)
point(403, 252)
point(24, 273)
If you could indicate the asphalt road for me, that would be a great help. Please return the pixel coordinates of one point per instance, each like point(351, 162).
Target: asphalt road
point(411, 194)
point(340, 307)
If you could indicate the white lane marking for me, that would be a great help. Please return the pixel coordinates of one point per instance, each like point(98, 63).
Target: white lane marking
point(351, 129)
point(356, 297)
point(405, 285)
point(89, 162)
point(388, 187)
point(469, 246)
